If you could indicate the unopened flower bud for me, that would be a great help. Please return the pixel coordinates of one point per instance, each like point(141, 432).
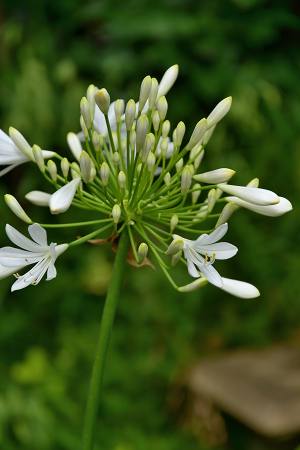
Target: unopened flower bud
point(168, 80)
point(90, 94)
point(164, 145)
point(119, 109)
point(198, 283)
point(20, 142)
point(96, 138)
point(196, 192)
point(175, 246)
point(86, 112)
point(186, 179)
point(165, 128)
point(65, 166)
point(153, 93)
point(219, 112)
point(155, 120)
point(130, 112)
point(176, 258)
point(122, 179)
point(151, 161)
point(74, 144)
point(194, 153)
point(142, 252)
point(226, 213)
point(116, 213)
point(86, 165)
point(148, 146)
point(52, 169)
point(83, 127)
point(132, 138)
point(38, 198)
point(173, 222)
point(199, 159)
point(162, 107)
point(211, 200)
point(253, 183)
point(104, 173)
point(102, 100)
point(38, 157)
point(116, 158)
point(144, 92)
point(215, 176)
point(180, 131)
point(16, 208)
point(141, 131)
point(197, 134)
point(167, 179)
point(75, 170)
point(179, 165)
point(208, 134)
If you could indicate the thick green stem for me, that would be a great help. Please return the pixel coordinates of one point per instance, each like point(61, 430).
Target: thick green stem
point(107, 320)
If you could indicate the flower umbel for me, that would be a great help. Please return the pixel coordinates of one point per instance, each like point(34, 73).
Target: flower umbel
point(133, 172)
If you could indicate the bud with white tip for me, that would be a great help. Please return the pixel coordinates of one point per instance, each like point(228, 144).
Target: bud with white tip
point(155, 120)
point(163, 147)
point(90, 94)
point(179, 165)
point(165, 128)
point(38, 157)
point(141, 131)
point(75, 170)
point(104, 173)
point(168, 80)
point(175, 246)
point(219, 112)
point(198, 159)
point(20, 142)
point(130, 112)
point(226, 213)
point(97, 141)
point(186, 178)
point(102, 100)
point(167, 179)
point(208, 134)
point(215, 176)
point(197, 134)
point(151, 160)
point(116, 158)
point(38, 198)
point(16, 208)
point(173, 222)
point(144, 92)
point(180, 131)
point(65, 167)
point(122, 179)
point(116, 213)
point(162, 107)
point(86, 112)
point(211, 200)
point(142, 252)
point(52, 169)
point(153, 93)
point(119, 109)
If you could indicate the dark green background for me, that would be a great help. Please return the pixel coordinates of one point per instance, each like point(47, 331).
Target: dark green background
point(49, 52)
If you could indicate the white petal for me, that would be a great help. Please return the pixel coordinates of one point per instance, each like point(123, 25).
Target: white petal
point(239, 288)
point(75, 145)
point(38, 198)
point(38, 234)
point(51, 272)
point(279, 209)
point(15, 257)
point(61, 200)
point(219, 112)
point(20, 240)
point(33, 276)
point(4, 137)
point(220, 250)
point(192, 269)
point(213, 237)
point(167, 80)
point(47, 154)
point(251, 194)
point(9, 168)
point(59, 249)
point(211, 274)
point(6, 271)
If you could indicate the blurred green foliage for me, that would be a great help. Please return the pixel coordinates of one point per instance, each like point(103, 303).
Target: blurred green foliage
point(50, 51)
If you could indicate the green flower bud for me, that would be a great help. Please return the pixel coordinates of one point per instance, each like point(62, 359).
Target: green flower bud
point(151, 161)
point(141, 131)
point(130, 112)
point(116, 158)
point(153, 93)
point(226, 213)
point(116, 213)
point(196, 193)
point(211, 200)
point(52, 169)
point(75, 170)
point(65, 166)
point(180, 131)
point(86, 112)
point(20, 142)
point(186, 179)
point(38, 157)
point(83, 127)
point(175, 246)
point(142, 252)
point(179, 165)
point(86, 165)
point(162, 107)
point(197, 134)
point(148, 146)
point(119, 109)
point(16, 208)
point(144, 92)
point(165, 128)
point(173, 222)
point(122, 179)
point(104, 173)
point(155, 120)
point(167, 179)
point(96, 137)
point(102, 100)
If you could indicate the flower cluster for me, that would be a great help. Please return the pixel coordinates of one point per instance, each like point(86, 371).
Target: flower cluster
point(133, 172)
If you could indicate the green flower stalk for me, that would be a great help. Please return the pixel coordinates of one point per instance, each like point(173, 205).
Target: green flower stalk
point(140, 181)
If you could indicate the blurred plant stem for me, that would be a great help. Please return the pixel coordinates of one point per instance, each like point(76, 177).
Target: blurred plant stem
point(106, 324)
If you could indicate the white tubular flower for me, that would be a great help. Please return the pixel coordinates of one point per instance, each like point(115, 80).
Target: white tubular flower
point(74, 144)
point(168, 80)
point(239, 288)
point(215, 176)
point(11, 156)
point(254, 195)
point(219, 112)
point(207, 245)
point(38, 198)
point(61, 200)
point(35, 251)
point(282, 207)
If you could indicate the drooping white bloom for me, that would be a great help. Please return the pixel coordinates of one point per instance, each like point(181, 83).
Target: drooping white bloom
point(215, 176)
point(219, 112)
point(12, 156)
point(254, 195)
point(280, 208)
point(38, 198)
point(200, 256)
point(34, 251)
point(61, 200)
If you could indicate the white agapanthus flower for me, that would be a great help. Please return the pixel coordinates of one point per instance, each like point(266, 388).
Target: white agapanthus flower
point(200, 255)
point(16, 152)
point(280, 208)
point(34, 251)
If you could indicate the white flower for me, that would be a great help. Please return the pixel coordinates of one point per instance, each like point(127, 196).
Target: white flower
point(200, 267)
point(62, 199)
point(201, 253)
point(280, 208)
point(35, 252)
point(167, 80)
point(215, 176)
point(12, 156)
point(254, 195)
